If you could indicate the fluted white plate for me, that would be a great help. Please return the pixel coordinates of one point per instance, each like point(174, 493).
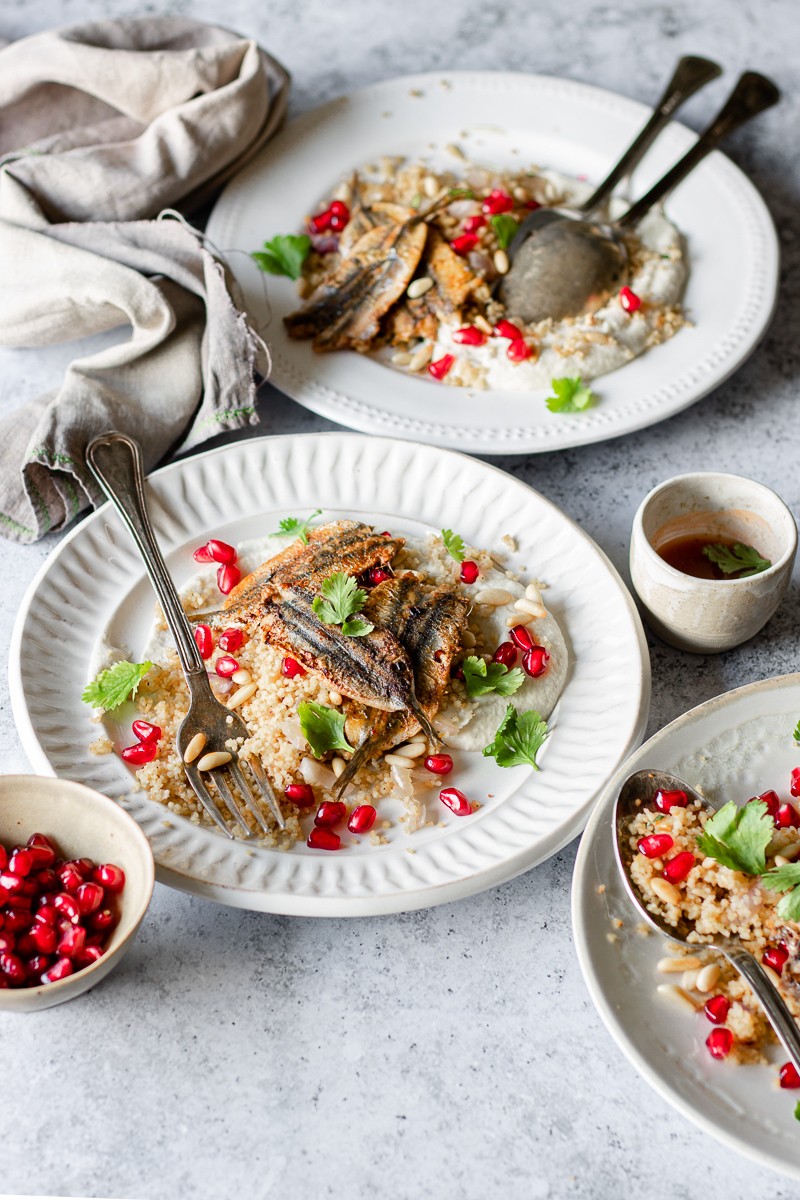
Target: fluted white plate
point(94, 585)
point(734, 746)
point(507, 120)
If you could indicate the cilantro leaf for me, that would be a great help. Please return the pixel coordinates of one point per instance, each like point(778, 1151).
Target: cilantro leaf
point(518, 740)
point(738, 837)
point(796, 734)
point(570, 395)
point(504, 226)
point(284, 255)
point(341, 599)
point(481, 677)
point(797, 1111)
point(785, 879)
point(453, 544)
point(296, 526)
point(323, 727)
point(113, 686)
point(738, 557)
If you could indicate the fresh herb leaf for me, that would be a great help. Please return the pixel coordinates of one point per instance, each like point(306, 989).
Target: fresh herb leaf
point(453, 544)
point(504, 226)
point(481, 677)
point(570, 395)
point(785, 879)
point(797, 1111)
point(341, 599)
point(796, 734)
point(738, 837)
point(284, 255)
point(738, 557)
point(461, 194)
point(296, 526)
point(115, 685)
point(323, 727)
point(518, 740)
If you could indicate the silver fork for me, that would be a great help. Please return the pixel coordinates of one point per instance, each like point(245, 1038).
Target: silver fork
point(116, 462)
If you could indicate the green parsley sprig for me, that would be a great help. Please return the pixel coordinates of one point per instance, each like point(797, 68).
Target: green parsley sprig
point(284, 254)
point(115, 685)
point(518, 740)
point(323, 727)
point(296, 526)
point(739, 558)
point(570, 395)
point(453, 544)
point(481, 677)
point(340, 601)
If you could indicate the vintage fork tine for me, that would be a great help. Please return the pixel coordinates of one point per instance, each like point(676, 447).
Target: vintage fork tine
point(265, 787)
point(222, 786)
point(247, 796)
point(205, 798)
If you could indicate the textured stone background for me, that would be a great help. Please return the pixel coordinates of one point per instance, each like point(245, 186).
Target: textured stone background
point(452, 1052)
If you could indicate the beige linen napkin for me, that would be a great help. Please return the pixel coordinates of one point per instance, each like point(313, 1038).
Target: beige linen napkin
point(101, 127)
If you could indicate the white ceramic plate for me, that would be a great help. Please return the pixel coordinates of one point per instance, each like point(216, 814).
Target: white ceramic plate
point(94, 583)
point(511, 120)
point(734, 747)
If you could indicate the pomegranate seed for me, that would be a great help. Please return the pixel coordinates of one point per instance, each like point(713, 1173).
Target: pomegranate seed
point(469, 571)
point(21, 862)
point(507, 329)
point(506, 653)
point(534, 661)
point(794, 786)
point(110, 877)
point(329, 813)
point(320, 221)
point(519, 350)
point(202, 555)
point(438, 764)
point(13, 966)
point(337, 222)
point(379, 575)
point(291, 667)
point(46, 914)
point(438, 369)
point(464, 243)
point(227, 578)
point(719, 1042)
point(665, 801)
point(141, 753)
point(771, 799)
point(362, 819)
point(231, 640)
point(37, 964)
point(522, 638)
point(469, 335)
point(788, 1076)
point(17, 918)
point(89, 896)
point(84, 866)
point(146, 732)
point(339, 209)
point(775, 957)
point(679, 867)
point(67, 907)
point(323, 839)
point(3, 857)
point(205, 640)
point(22, 900)
point(10, 881)
point(72, 940)
point(629, 300)
point(3, 982)
point(532, 205)
point(456, 801)
point(221, 552)
point(44, 938)
point(473, 224)
point(102, 920)
point(226, 666)
point(59, 970)
point(41, 841)
point(71, 879)
point(87, 956)
point(46, 880)
point(785, 818)
point(26, 946)
point(655, 845)
point(301, 794)
point(8, 943)
point(497, 201)
point(43, 857)
point(386, 533)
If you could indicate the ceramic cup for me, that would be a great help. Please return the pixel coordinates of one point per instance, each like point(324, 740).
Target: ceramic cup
point(709, 615)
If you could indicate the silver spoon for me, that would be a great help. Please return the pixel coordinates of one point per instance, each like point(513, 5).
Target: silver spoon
point(639, 792)
point(568, 266)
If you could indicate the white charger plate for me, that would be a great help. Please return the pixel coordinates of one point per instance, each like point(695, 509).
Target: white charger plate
point(734, 746)
point(94, 585)
point(507, 120)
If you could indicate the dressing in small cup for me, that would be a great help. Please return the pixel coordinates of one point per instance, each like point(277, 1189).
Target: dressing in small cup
point(699, 521)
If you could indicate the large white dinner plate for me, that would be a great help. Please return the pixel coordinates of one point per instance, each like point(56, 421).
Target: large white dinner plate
point(510, 120)
point(734, 746)
point(94, 585)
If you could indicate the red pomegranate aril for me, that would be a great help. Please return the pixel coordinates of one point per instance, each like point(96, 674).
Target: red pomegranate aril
point(146, 732)
point(785, 818)
point(679, 867)
point(456, 801)
point(473, 224)
point(110, 877)
point(59, 970)
point(227, 578)
point(37, 964)
point(226, 666)
point(469, 335)
point(339, 209)
point(13, 967)
point(3, 857)
point(4, 894)
point(506, 653)
point(379, 575)
point(71, 878)
point(23, 899)
point(8, 943)
point(46, 880)
point(519, 350)
point(655, 844)
point(26, 946)
point(629, 300)
point(86, 956)
point(221, 552)
point(141, 753)
point(202, 555)
point(464, 243)
point(667, 800)
point(10, 881)
point(771, 799)
point(521, 637)
point(301, 794)
point(497, 201)
point(102, 920)
point(438, 764)
point(21, 862)
point(534, 661)
point(44, 937)
point(337, 222)
point(719, 1042)
point(205, 640)
point(72, 940)
point(329, 813)
point(507, 329)
point(320, 221)
point(775, 957)
point(323, 839)
point(46, 914)
point(40, 841)
point(788, 1076)
point(532, 205)
point(290, 667)
point(84, 865)
point(794, 786)
point(469, 571)
point(42, 856)
point(362, 819)
point(30, 886)
point(438, 369)
point(67, 907)
point(231, 640)
point(89, 896)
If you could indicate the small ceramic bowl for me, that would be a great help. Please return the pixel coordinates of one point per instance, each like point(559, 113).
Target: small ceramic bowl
point(710, 615)
point(83, 824)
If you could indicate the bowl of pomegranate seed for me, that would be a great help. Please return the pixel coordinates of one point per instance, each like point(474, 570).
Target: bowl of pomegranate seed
point(76, 876)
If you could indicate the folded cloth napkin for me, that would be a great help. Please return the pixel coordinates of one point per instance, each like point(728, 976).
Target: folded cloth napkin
point(102, 126)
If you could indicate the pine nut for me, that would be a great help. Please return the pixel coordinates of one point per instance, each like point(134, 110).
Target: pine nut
point(409, 750)
point(401, 359)
point(671, 965)
point(773, 976)
point(533, 593)
point(707, 978)
point(242, 694)
point(530, 606)
point(780, 861)
point(216, 759)
point(421, 358)
point(337, 766)
point(335, 698)
point(501, 263)
point(666, 892)
point(519, 618)
point(481, 323)
point(520, 194)
point(676, 995)
point(689, 980)
point(664, 826)
point(398, 760)
point(430, 186)
point(242, 676)
point(195, 747)
point(418, 287)
point(468, 639)
point(494, 596)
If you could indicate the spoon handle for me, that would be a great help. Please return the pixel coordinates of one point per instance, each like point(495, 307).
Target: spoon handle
point(771, 1000)
point(752, 95)
point(689, 76)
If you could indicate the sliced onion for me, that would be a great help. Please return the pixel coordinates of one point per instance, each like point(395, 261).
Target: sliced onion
point(317, 774)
